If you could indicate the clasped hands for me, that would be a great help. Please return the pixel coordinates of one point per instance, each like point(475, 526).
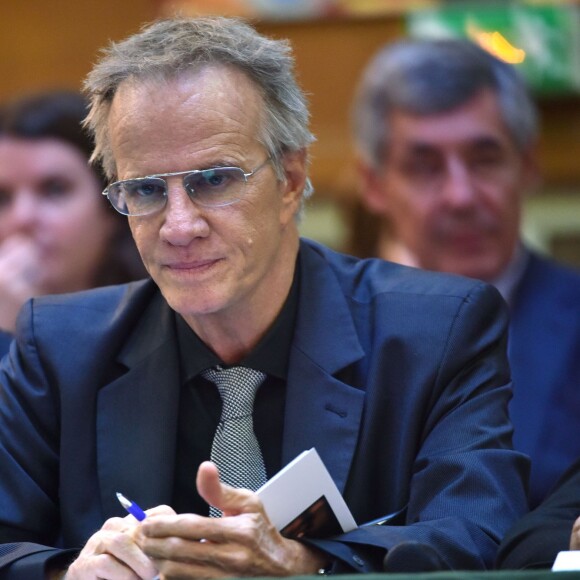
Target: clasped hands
point(575, 536)
point(177, 546)
point(20, 262)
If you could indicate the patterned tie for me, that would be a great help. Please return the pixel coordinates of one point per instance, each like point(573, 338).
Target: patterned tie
point(235, 449)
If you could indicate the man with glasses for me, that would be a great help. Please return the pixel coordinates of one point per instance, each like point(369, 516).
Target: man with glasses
point(398, 378)
point(447, 136)
point(215, 187)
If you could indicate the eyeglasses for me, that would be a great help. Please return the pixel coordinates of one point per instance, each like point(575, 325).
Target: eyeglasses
point(215, 187)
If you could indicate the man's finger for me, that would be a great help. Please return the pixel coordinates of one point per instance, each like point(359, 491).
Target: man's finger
point(229, 500)
point(208, 483)
point(160, 510)
point(111, 553)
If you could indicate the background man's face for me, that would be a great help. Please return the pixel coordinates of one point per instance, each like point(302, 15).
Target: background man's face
point(453, 184)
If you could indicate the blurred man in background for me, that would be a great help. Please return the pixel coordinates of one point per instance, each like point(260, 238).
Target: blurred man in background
point(446, 137)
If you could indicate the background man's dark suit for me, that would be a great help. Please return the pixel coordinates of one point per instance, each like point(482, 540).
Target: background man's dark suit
point(536, 539)
point(398, 377)
point(544, 354)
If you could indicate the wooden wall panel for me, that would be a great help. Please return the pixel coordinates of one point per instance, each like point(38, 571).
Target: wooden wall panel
point(330, 58)
point(53, 44)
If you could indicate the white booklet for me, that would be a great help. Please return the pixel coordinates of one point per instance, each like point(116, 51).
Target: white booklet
point(303, 500)
point(567, 560)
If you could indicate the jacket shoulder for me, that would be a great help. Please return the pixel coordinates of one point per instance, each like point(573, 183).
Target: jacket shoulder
point(552, 271)
point(370, 278)
point(67, 321)
point(75, 307)
point(547, 284)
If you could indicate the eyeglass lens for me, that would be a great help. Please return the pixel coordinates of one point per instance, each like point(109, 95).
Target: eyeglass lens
point(210, 187)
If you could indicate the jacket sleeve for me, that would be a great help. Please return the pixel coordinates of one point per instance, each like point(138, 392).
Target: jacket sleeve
point(27, 561)
point(535, 540)
point(467, 485)
point(29, 521)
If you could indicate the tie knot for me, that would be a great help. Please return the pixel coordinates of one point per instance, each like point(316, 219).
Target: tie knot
point(237, 387)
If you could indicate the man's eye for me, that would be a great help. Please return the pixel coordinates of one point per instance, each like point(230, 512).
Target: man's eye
point(144, 189)
point(214, 179)
point(5, 198)
point(421, 168)
point(486, 156)
point(486, 161)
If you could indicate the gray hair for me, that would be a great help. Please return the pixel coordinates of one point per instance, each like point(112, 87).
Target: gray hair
point(427, 77)
point(169, 47)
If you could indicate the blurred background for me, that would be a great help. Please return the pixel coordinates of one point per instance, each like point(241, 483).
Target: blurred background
point(53, 45)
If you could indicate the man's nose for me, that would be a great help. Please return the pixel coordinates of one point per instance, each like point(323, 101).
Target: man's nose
point(459, 189)
point(183, 219)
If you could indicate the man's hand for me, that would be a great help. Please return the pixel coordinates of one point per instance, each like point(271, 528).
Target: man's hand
point(20, 264)
point(241, 543)
point(575, 537)
point(113, 553)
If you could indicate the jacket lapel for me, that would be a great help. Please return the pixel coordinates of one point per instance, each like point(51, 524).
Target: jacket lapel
point(137, 412)
point(545, 307)
point(137, 416)
point(321, 410)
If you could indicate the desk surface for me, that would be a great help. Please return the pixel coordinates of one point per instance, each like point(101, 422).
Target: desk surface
point(503, 575)
point(467, 575)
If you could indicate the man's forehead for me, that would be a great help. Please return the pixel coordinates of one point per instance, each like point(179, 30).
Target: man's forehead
point(212, 89)
point(481, 142)
point(433, 133)
point(184, 83)
point(478, 120)
point(173, 124)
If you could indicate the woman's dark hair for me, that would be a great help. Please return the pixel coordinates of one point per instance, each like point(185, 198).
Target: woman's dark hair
point(51, 115)
point(59, 115)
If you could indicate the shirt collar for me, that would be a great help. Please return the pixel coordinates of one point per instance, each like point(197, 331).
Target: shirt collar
point(509, 279)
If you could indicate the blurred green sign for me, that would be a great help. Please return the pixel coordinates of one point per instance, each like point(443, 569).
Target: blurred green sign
point(543, 41)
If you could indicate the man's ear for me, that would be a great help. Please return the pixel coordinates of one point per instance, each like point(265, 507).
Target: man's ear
point(372, 188)
point(294, 163)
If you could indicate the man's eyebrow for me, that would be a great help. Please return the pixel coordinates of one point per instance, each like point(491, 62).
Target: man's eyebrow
point(215, 164)
point(421, 148)
point(487, 142)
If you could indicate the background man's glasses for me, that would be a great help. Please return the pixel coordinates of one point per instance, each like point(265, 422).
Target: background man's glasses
point(215, 187)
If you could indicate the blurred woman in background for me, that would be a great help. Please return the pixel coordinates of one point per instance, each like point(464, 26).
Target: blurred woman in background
point(57, 232)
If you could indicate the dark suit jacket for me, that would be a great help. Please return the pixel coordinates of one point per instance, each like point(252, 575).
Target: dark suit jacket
point(5, 340)
point(397, 376)
point(536, 539)
point(544, 354)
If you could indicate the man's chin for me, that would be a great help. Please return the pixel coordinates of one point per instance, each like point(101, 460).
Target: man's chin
point(191, 304)
point(481, 268)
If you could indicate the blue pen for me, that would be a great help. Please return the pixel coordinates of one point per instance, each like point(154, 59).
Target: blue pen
point(131, 507)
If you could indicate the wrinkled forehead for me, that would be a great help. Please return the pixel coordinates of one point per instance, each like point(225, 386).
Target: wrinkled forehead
point(222, 88)
point(214, 107)
point(476, 120)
